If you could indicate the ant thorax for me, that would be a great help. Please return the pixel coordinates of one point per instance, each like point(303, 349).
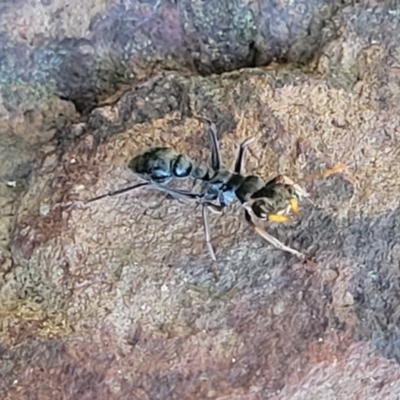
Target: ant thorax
point(223, 186)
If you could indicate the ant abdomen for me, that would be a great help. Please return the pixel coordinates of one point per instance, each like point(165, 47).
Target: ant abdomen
point(161, 164)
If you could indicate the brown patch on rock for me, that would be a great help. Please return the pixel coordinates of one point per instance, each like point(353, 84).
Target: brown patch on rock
point(120, 291)
point(359, 372)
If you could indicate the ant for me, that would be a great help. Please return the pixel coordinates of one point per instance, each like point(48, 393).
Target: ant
point(271, 201)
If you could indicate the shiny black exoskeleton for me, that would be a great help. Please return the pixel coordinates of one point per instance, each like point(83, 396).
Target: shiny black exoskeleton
point(161, 164)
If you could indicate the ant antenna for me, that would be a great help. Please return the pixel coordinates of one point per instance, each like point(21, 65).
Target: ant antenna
point(117, 192)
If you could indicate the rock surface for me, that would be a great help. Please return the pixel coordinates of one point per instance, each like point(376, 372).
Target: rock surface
point(116, 299)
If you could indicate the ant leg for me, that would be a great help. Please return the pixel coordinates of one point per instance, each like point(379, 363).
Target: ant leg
point(216, 208)
point(121, 191)
point(240, 155)
point(269, 238)
point(215, 152)
point(207, 232)
point(177, 194)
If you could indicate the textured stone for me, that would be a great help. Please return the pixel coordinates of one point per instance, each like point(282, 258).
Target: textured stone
point(116, 299)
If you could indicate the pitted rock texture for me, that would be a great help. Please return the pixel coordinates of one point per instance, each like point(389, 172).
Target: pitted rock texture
point(85, 52)
point(116, 299)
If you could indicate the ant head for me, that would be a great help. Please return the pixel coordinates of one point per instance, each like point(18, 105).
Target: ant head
point(274, 209)
point(276, 200)
point(260, 208)
point(295, 189)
